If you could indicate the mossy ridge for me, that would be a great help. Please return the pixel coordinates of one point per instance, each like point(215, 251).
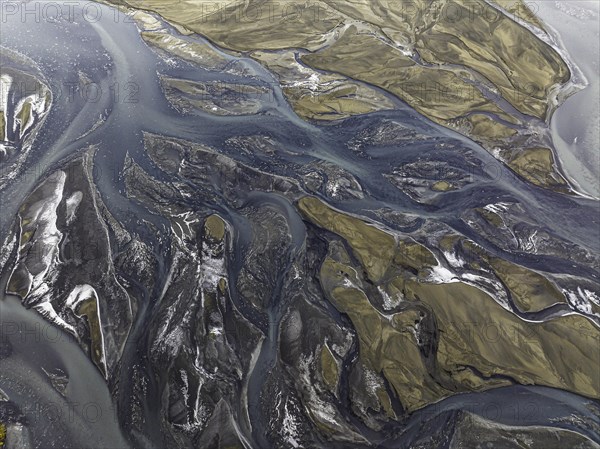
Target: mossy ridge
point(194, 52)
point(477, 332)
point(495, 47)
point(320, 96)
point(2, 125)
point(248, 26)
point(23, 117)
point(340, 102)
point(330, 369)
point(537, 166)
point(376, 249)
point(391, 345)
point(442, 186)
point(386, 402)
point(488, 128)
point(438, 93)
point(214, 228)
point(373, 247)
point(383, 348)
point(481, 345)
point(89, 308)
point(379, 48)
point(478, 344)
point(531, 291)
point(491, 217)
point(440, 37)
point(214, 97)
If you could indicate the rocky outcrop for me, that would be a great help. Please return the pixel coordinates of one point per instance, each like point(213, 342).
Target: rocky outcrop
point(64, 267)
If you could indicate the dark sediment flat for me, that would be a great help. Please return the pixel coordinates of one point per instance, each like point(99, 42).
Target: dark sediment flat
point(158, 174)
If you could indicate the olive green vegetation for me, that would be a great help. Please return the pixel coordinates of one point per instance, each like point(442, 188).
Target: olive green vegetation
point(443, 32)
point(484, 125)
point(89, 308)
point(491, 217)
point(191, 51)
point(452, 337)
point(376, 249)
point(214, 228)
point(24, 115)
point(341, 101)
point(385, 402)
point(478, 340)
point(442, 186)
point(520, 65)
point(321, 96)
point(438, 56)
point(385, 344)
point(537, 166)
point(2, 434)
point(330, 369)
point(437, 93)
point(2, 125)
point(530, 291)
point(373, 247)
point(250, 25)
point(476, 332)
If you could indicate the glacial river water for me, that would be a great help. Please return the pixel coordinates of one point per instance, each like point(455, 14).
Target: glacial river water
point(106, 47)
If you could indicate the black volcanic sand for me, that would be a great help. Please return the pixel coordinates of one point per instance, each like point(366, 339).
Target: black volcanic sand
point(124, 70)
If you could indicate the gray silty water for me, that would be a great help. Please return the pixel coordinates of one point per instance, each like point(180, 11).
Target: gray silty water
point(129, 98)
